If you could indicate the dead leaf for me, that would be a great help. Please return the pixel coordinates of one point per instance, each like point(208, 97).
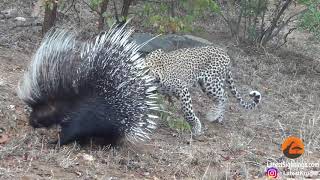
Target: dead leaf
point(3, 138)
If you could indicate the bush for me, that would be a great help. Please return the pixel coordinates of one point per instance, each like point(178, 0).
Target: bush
point(310, 19)
point(170, 117)
point(261, 21)
point(175, 16)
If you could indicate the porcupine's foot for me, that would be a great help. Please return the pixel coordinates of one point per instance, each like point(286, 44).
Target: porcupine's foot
point(67, 135)
point(64, 138)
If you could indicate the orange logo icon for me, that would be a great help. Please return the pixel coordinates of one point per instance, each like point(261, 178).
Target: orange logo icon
point(292, 147)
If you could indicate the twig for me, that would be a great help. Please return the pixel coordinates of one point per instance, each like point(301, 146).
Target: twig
point(205, 173)
point(253, 163)
point(251, 140)
point(115, 11)
point(285, 40)
point(283, 132)
point(77, 12)
point(94, 10)
point(156, 1)
point(26, 25)
point(285, 23)
point(69, 7)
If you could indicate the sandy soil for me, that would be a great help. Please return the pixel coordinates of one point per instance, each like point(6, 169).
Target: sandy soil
point(241, 148)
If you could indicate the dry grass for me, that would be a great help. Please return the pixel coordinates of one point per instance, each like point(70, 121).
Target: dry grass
point(241, 148)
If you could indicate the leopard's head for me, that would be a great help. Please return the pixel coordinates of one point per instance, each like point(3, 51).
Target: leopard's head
point(154, 62)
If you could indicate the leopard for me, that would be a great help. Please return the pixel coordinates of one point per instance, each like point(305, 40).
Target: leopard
point(175, 72)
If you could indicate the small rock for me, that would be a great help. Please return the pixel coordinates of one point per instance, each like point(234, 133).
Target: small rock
point(112, 178)
point(2, 83)
point(14, 117)
point(79, 174)
point(87, 157)
point(20, 19)
point(27, 109)
point(12, 107)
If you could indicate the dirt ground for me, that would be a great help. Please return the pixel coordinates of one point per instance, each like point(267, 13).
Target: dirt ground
point(241, 148)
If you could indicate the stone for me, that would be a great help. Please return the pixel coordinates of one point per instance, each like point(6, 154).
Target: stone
point(20, 19)
point(168, 42)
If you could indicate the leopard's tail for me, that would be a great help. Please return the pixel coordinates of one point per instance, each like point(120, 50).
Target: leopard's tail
point(247, 105)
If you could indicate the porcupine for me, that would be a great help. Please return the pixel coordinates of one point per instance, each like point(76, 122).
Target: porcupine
point(97, 88)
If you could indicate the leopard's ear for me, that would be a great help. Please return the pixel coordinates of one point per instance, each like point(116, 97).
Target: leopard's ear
point(154, 55)
point(156, 52)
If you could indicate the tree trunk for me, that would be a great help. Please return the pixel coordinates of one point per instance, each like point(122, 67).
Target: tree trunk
point(103, 9)
point(266, 36)
point(50, 15)
point(125, 8)
point(173, 6)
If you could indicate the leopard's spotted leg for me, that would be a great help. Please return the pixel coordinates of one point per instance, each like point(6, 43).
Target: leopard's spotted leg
point(166, 91)
point(214, 88)
point(183, 94)
point(186, 104)
point(219, 115)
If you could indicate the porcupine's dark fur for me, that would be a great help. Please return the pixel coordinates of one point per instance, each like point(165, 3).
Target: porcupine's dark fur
point(91, 89)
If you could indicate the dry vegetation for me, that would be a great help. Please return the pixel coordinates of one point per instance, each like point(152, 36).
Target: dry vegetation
point(289, 80)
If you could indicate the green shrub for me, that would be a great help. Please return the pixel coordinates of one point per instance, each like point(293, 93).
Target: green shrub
point(310, 19)
point(176, 16)
point(170, 117)
point(262, 21)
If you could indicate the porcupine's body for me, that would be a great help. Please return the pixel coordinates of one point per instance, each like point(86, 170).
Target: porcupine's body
point(91, 89)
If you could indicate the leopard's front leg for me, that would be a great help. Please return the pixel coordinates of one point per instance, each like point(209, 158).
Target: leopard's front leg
point(181, 91)
point(189, 115)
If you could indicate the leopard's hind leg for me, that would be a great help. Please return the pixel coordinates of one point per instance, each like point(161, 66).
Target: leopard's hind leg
point(214, 88)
